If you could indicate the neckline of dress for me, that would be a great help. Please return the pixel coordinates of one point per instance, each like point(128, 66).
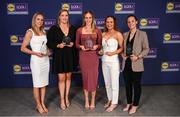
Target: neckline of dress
point(109, 39)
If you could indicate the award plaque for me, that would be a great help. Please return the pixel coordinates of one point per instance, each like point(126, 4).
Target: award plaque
point(88, 44)
point(66, 40)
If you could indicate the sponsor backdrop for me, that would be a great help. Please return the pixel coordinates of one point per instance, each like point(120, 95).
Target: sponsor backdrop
point(159, 18)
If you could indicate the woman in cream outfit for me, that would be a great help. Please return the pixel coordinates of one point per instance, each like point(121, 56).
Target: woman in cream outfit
point(112, 44)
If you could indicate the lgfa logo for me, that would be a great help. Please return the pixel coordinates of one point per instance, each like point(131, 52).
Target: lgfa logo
point(143, 22)
point(11, 7)
point(118, 6)
point(65, 6)
point(14, 38)
point(170, 6)
point(167, 36)
point(17, 68)
point(164, 65)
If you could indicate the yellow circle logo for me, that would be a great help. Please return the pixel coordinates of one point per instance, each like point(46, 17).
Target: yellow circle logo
point(11, 7)
point(65, 6)
point(143, 22)
point(170, 6)
point(118, 6)
point(17, 68)
point(165, 65)
point(167, 36)
point(14, 38)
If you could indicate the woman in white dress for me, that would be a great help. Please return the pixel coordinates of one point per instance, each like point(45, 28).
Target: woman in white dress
point(112, 44)
point(39, 62)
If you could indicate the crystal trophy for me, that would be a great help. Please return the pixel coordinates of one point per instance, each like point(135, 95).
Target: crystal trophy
point(66, 40)
point(88, 44)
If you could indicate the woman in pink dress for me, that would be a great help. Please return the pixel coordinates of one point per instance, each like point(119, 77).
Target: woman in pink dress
point(88, 41)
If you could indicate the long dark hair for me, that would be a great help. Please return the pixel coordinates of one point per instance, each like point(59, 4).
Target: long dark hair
point(115, 23)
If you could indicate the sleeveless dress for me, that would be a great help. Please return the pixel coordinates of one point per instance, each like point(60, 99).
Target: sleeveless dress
point(39, 65)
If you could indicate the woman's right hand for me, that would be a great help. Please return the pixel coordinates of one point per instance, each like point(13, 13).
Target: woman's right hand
point(83, 48)
point(124, 56)
point(61, 45)
point(39, 54)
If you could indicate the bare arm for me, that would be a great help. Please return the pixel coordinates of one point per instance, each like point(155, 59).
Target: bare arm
point(25, 43)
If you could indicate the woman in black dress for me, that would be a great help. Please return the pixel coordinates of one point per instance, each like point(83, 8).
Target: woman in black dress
point(61, 39)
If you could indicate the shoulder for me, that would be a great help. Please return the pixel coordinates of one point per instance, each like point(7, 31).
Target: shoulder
point(125, 34)
point(141, 32)
point(79, 30)
point(98, 31)
point(104, 33)
point(54, 27)
point(118, 33)
point(29, 32)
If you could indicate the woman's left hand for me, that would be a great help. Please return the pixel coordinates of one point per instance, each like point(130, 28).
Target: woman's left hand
point(95, 47)
point(134, 58)
point(109, 53)
point(71, 44)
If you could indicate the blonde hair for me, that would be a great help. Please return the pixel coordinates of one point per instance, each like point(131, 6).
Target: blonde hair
point(33, 23)
point(59, 13)
point(93, 26)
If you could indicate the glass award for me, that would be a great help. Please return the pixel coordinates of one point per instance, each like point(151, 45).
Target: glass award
point(88, 44)
point(66, 40)
point(43, 48)
point(128, 50)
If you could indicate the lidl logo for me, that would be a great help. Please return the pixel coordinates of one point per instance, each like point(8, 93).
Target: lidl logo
point(14, 38)
point(11, 7)
point(143, 22)
point(17, 68)
point(118, 6)
point(73, 8)
point(165, 65)
point(17, 8)
point(173, 7)
point(124, 8)
point(170, 66)
point(170, 6)
point(167, 36)
point(65, 6)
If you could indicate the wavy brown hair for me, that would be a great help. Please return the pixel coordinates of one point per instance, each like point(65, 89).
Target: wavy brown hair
point(115, 23)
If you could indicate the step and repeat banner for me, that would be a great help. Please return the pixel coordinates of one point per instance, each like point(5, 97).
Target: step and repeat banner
point(159, 18)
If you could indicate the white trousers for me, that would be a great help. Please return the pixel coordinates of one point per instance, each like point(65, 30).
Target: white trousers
point(111, 72)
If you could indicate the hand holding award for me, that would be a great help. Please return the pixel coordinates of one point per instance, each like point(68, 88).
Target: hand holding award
point(43, 49)
point(88, 44)
point(66, 40)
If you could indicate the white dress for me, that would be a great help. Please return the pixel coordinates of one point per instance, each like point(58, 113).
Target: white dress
point(39, 65)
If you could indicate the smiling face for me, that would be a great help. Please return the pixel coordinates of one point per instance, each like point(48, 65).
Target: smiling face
point(109, 23)
point(88, 19)
point(39, 21)
point(64, 17)
point(132, 23)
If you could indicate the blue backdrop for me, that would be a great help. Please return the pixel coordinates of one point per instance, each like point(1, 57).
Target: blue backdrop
point(159, 18)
